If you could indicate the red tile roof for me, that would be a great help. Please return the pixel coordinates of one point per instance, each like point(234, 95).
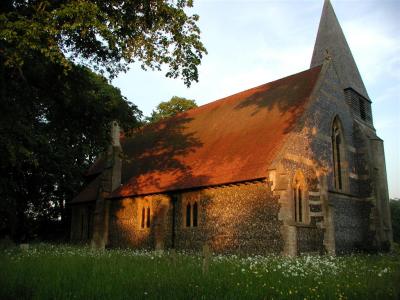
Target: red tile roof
point(230, 140)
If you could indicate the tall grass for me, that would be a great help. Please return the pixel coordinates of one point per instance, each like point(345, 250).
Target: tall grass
point(68, 272)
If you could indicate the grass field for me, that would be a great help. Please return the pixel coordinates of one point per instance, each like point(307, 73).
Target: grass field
point(69, 272)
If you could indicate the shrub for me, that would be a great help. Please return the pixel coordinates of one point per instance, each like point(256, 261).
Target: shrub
point(395, 213)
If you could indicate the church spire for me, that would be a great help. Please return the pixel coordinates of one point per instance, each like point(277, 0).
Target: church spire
point(330, 39)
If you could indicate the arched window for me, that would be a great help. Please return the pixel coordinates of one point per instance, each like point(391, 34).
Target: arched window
point(195, 212)
point(191, 213)
point(299, 197)
point(148, 218)
point(300, 203)
point(145, 220)
point(143, 217)
point(188, 213)
point(338, 151)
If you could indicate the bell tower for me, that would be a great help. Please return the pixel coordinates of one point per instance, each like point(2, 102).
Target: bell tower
point(369, 151)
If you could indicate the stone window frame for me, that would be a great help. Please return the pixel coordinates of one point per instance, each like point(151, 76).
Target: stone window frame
point(191, 202)
point(145, 213)
point(339, 156)
point(299, 190)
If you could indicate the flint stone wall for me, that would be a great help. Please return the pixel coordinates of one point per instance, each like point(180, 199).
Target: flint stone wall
point(231, 219)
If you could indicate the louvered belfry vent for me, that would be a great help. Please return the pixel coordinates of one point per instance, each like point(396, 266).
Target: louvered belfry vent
point(360, 106)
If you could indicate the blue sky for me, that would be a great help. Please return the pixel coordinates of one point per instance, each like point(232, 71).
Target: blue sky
point(253, 42)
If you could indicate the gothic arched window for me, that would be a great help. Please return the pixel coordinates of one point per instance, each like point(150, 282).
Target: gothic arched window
point(143, 217)
point(338, 151)
point(188, 214)
point(145, 220)
point(299, 196)
point(148, 218)
point(195, 214)
point(191, 213)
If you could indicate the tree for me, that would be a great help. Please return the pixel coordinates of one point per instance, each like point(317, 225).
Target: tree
point(55, 114)
point(107, 35)
point(52, 127)
point(170, 108)
point(395, 213)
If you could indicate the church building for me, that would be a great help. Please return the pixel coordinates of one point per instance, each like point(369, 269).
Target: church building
point(289, 167)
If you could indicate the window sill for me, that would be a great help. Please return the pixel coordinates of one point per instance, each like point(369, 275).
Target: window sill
point(304, 225)
point(341, 193)
point(188, 228)
point(297, 224)
point(145, 229)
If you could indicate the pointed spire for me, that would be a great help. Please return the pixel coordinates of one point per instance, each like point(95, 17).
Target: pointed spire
point(330, 39)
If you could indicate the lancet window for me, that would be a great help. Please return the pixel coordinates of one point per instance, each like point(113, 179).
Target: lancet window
point(145, 221)
point(192, 214)
point(299, 198)
point(338, 152)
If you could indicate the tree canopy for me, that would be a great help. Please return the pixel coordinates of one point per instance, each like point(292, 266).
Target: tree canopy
point(107, 35)
point(55, 110)
point(53, 125)
point(170, 108)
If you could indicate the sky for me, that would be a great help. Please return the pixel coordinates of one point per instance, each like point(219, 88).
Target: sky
point(252, 42)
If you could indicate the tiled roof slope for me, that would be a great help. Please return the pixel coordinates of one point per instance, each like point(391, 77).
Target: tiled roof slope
point(230, 140)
